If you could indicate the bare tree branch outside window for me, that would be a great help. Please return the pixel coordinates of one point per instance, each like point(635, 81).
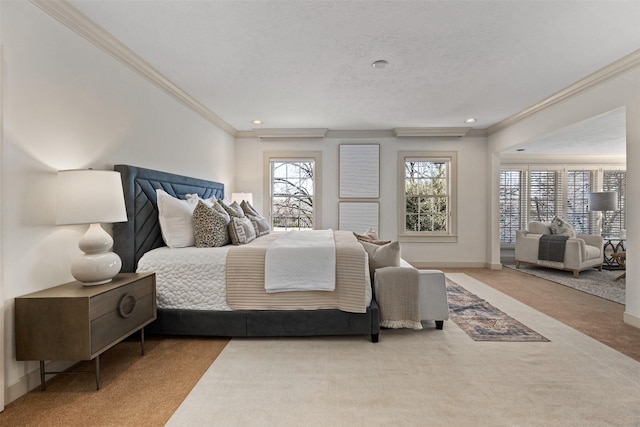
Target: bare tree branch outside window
point(292, 195)
point(426, 196)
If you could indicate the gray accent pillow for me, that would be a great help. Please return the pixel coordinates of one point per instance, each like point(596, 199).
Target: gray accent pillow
point(561, 227)
point(222, 212)
point(248, 209)
point(233, 209)
point(210, 227)
point(241, 230)
point(260, 224)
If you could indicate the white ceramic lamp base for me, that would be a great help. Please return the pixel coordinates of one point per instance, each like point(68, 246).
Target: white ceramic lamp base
point(98, 265)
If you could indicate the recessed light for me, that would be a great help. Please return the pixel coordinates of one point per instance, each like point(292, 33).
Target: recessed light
point(471, 120)
point(256, 122)
point(380, 63)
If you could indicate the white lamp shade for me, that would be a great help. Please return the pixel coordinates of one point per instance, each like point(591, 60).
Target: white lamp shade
point(90, 196)
point(603, 201)
point(239, 197)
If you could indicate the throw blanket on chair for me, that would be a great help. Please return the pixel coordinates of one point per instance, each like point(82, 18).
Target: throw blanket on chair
point(301, 261)
point(551, 247)
point(397, 295)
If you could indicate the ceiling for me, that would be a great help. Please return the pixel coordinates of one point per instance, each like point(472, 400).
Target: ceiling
point(308, 64)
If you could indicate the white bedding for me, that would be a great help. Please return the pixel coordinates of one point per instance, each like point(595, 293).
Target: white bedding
point(194, 278)
point(188, 278)
point(301, 261)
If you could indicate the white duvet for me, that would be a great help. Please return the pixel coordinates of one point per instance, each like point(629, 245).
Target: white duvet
point(194, 278)
point(188, 278)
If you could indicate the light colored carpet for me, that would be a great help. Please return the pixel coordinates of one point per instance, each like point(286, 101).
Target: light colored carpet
point(599, 283)
point(428, 377)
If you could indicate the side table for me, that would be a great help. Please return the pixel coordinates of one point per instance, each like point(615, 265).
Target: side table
point(611, 246)
point(621, 259)
point(77, 322)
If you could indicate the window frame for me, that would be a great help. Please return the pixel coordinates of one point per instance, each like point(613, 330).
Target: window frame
point(449, 236)
point(293, 156)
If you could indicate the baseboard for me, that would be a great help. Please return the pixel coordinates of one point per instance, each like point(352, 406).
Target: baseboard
point(31, 380)
point(631, 319)
point(447, 264)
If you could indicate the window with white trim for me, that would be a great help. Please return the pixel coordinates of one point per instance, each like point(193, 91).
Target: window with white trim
point(538, 193)
point(293, 184)
point(427, 195)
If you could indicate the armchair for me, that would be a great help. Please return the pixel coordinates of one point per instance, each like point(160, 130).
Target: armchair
point(581, 252)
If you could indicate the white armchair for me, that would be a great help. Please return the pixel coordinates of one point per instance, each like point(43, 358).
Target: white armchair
point(581, 252)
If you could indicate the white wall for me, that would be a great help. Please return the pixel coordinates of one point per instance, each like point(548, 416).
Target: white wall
point(470, 250)
point(621, 91)
point(67, 104)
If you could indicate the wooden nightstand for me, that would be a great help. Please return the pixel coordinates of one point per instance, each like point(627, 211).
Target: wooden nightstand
point(77, 322)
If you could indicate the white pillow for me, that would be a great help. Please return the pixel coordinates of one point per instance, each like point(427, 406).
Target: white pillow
point(176, 219)
point(208, 202)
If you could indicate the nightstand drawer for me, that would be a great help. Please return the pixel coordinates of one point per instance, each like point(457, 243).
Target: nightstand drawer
point(129, 313)
point(121, 298)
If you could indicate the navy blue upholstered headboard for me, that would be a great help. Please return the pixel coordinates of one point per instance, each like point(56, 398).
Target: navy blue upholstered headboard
point(141, 232)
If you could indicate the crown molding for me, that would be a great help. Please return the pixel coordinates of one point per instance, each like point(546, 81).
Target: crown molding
point(283, 133)
point(89, 30)
point(611, 71)
point(431, 131)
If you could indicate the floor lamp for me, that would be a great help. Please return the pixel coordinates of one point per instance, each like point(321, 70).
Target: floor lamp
point(600, 202)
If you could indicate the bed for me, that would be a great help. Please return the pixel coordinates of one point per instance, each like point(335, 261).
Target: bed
point(142, 234)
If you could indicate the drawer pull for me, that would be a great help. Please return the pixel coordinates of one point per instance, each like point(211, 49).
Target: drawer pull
point(127, 305)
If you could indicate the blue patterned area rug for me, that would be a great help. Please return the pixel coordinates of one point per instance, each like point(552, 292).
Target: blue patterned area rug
point(484, 322)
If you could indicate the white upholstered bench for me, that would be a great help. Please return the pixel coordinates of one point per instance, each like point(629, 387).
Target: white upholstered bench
point(432, 295)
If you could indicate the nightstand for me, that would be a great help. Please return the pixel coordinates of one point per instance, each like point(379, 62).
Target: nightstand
point(77, 322)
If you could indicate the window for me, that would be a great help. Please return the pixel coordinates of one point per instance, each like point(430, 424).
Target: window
point(427, 196)
point(579, 184)
point(535, 193)
point(614, 222)
point(512, 204)
point(293, 181)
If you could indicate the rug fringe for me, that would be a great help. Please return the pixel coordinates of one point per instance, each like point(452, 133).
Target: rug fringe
point(397, 324)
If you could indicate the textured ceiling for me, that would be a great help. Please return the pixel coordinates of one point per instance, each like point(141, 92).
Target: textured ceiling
point(307, 64)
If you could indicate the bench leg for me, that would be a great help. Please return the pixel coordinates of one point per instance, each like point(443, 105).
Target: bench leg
point(439, 324)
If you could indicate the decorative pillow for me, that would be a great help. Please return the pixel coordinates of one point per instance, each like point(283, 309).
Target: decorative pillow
point(382, 255)
point(241, 230)
point(538, 227)
point(260, 224)
point(222, 211)
point(209, 202)
point(210, 227)
point(370, 239)
point(561, 227)
point(248, 209)
point(232, 209)
point(175, 220)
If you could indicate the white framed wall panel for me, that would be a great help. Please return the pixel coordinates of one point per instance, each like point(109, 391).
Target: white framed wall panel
point(358, 216)
point(359, 171)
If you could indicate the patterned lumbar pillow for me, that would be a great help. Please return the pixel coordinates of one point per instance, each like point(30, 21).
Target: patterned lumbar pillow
point(210, 227)
point(260, 223)
point(561, 227)
point(241, 230)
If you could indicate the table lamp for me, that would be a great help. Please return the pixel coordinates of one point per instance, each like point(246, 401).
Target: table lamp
point(603, 201)
point(92, 197)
